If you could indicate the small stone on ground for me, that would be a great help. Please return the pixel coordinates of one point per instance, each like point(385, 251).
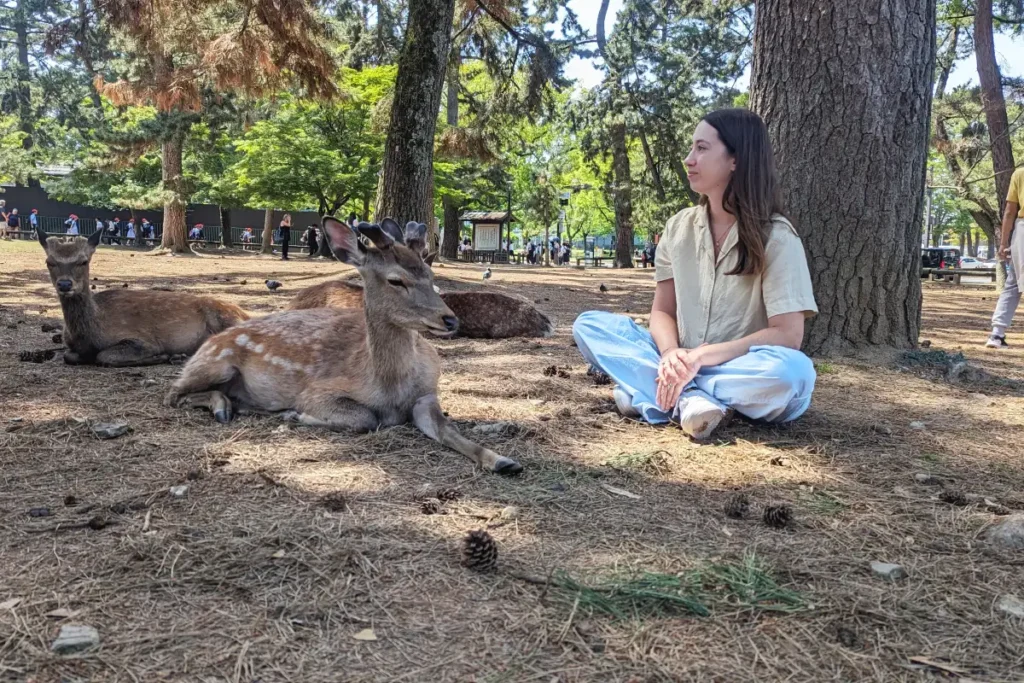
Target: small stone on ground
point(75, 638)
point(1009, 533)
point(1011, 605)
point(110, 430)
point(889, 572)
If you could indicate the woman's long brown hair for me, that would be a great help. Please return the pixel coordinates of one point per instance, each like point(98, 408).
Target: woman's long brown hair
point(752, 195)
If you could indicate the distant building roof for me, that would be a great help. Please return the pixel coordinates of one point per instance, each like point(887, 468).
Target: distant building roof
point(486, 216)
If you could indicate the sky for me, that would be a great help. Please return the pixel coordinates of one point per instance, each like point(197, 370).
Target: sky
point(1009, 52)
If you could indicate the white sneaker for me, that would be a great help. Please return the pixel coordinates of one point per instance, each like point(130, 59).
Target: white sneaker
point(624, 403)
point(997, 342)
point(699, 417)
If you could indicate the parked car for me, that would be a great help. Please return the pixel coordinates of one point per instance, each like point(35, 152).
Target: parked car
point(939, 257)
point(972, 262)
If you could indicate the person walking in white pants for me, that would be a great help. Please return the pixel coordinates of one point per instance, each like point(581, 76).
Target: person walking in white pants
point(1011, 256)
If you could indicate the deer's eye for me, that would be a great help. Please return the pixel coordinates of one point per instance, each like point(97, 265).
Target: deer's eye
point(396, 282)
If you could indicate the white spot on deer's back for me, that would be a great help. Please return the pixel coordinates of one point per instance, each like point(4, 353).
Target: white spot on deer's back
point(225, 353)
point(242, 339)
point(254, 347)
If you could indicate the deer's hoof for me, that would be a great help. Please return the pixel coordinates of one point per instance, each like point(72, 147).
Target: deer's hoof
point(223, 415)
point(506, 466)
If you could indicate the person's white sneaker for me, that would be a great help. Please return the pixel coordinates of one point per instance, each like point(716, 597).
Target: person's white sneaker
point(997, 342)
point(699, 417)
point(624, 403)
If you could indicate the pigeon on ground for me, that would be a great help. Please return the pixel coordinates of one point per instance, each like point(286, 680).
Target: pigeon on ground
point(273, 285)
point(603, 288)
point(487, 274)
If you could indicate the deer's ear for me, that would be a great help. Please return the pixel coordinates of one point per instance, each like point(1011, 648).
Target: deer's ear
point(42, 237)
point(375, 237)
point(344, 242)
point(429, 259)
point(391, 228)
point(94, 239)
point(416, 236)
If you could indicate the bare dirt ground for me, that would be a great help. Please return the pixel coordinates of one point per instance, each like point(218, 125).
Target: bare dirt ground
point(258, 574)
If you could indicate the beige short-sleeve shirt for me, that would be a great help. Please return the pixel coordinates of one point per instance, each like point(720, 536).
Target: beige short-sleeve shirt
point(712, 307)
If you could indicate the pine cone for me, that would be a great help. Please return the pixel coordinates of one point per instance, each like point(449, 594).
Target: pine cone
point(550, 371)
point(738, 506)
point(954, 497)
point(448, 495)
point(335, 502)
point(599, 377)
point(777, 516)
point(479, 551)
point(431, 506)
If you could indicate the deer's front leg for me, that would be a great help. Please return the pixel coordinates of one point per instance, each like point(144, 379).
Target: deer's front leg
point(335, 413)
point(429, 419)
point(130, 353)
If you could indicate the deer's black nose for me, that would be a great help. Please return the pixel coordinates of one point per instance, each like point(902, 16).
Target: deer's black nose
point(63, 285)
point(451, 323)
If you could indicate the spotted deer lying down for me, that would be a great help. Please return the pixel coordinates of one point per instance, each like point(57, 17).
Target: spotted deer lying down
point(344, 369)
point(482, 315)
point(120, 327)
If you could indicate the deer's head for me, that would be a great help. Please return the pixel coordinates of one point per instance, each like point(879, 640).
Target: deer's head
point(68, 262)
point(398, 280)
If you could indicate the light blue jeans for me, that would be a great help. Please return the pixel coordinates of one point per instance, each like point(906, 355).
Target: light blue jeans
point(771, 383)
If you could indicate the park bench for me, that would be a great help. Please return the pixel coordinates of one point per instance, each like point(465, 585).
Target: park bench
point(593, 260)
point(955, 274)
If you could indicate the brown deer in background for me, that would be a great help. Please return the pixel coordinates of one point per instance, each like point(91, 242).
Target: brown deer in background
point(121, 328)
point(482, 315)
point(344, 369)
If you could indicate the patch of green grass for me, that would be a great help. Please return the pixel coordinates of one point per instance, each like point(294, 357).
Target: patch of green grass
point(825, 369)
point(745, 585)
point(931, 457)
point(654, 462)
point(824, 504)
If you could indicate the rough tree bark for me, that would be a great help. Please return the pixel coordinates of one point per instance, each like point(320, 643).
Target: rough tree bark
point(175, 235)
point(450, 245)
point(23, 91)
point(622, 194)
point(268, 232)
point(992, 100)
point(225, 227)
point(839, 82)
point(406, 188)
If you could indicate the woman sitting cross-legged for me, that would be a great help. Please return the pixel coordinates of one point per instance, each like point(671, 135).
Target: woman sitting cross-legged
point(733, 290)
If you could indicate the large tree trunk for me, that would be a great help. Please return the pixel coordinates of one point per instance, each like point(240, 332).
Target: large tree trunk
point(992, 100)
point(450, 243)
point(268, 232)
point(836, 82)
point(23, 90)
point(175, 237)
point(406, 188)
point(225, 227)
point(623, 195)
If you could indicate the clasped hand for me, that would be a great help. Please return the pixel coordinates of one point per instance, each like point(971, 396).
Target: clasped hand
point(678, 367)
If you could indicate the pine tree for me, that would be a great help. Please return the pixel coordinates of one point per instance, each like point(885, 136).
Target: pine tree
point(181, 49)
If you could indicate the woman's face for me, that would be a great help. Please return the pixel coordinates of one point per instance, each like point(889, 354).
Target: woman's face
point(709, 165)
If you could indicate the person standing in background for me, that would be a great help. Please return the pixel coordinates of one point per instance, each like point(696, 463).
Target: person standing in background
point(33, 221)
point(72, 223)
point(284, 235)
point(310, 240)
point(13, 224)
point(1011, 257)
point(3, 220)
